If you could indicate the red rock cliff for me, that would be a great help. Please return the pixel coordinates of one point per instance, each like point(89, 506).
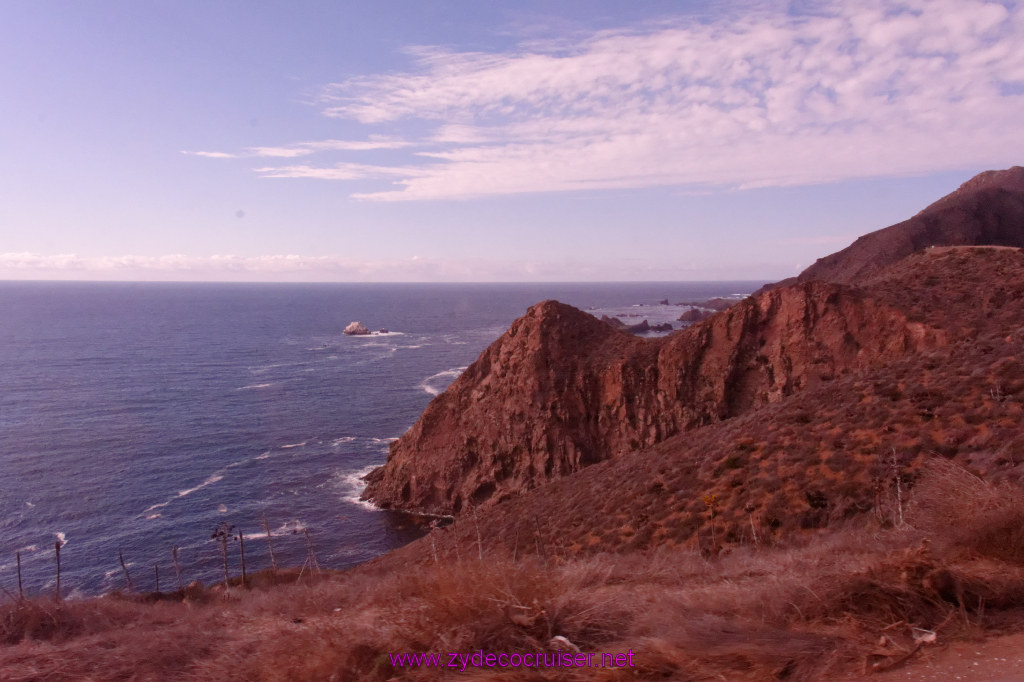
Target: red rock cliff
point(561, 390)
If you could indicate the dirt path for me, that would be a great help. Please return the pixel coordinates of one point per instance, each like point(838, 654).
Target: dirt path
point(1000, 659)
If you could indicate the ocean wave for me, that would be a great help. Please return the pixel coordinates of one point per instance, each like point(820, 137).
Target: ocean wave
point(353, 485)
point(294, 445)
point(210, 480)
point(292, 527)
point(277, 365)
point(376, 334)
point(254, 386)
point(432, 384)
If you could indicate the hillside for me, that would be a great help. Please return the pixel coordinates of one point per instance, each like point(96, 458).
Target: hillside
point(560, 390)
point(823, 455)
point(988, 209)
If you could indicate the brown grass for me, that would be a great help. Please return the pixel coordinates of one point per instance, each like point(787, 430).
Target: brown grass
point(810, 610)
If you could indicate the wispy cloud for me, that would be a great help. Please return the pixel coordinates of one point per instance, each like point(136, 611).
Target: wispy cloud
point(212, 155)
point(341, 171)
point(759, 98)
point(298, 268)
point(297, 149)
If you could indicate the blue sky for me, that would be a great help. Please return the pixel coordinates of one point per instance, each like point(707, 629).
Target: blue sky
point(486, 141)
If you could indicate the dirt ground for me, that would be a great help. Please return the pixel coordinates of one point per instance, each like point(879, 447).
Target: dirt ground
point(1000, 659)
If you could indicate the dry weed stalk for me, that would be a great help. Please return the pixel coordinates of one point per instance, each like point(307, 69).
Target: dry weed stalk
point(177, 568)
point(894, 471)
point(124, 567)
point(222, 533)
point(21, 591)
point(270, 542)
point(241, 551)
point(56, 549)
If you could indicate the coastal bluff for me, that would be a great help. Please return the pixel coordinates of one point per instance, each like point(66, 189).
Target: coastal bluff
point(561, 390)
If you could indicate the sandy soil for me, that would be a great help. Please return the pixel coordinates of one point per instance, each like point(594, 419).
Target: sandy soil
point(1000, 659)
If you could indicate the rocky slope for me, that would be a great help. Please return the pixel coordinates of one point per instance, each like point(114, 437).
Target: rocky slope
point(560, 390)
point(816, 458)
point(987, 209)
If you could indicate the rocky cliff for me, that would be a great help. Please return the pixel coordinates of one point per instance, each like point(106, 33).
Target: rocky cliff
point(560, 390)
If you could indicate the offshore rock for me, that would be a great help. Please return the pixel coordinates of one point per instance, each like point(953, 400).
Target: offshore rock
point(696, 315)
point(356, 329)
point(561, 390)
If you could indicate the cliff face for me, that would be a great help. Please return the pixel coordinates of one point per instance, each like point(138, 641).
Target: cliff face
point(560, 390)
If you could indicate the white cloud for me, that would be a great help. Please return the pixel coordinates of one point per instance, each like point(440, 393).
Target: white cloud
point(341, 171)
point(212, 155)
point(758, 99)
point(374, 142)
point(297, 268)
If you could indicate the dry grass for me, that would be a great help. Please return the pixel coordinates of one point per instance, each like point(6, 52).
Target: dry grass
point(803, 612)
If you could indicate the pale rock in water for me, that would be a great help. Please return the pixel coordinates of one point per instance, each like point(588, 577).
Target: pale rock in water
point(356, 329)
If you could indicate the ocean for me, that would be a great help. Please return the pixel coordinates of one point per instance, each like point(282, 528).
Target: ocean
point(139, 417)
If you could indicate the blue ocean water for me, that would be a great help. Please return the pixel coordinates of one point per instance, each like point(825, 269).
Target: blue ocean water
point(137, 417)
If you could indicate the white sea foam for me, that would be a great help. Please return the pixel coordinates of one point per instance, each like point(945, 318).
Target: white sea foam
point(209, 481)
point(265, 455)
point(290, 528)
point(376, 334)
point(353, 485)
point(61, 538)
point(28, 548)
point(267, 368)
point(155, 506)
point(29, 505)
point(341, 441)
point(253, 386)
point(294, 445)
point(222, 508)
point(436, 383)
point(153, 516)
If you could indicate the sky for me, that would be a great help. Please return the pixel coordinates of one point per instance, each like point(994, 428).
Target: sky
point(459, 140)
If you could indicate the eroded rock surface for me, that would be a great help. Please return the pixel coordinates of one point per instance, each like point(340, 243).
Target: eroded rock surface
point(561, 390)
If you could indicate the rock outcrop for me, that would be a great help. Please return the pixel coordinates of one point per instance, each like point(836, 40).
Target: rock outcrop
point(561, 390)
point(638, 328)
point(696, 315)
point(356, 329)
point(714, 303)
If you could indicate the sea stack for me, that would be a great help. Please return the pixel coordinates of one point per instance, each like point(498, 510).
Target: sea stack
point(356, 329)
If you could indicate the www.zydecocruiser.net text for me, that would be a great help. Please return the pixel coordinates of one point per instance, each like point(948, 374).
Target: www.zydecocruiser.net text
point(480, 659)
